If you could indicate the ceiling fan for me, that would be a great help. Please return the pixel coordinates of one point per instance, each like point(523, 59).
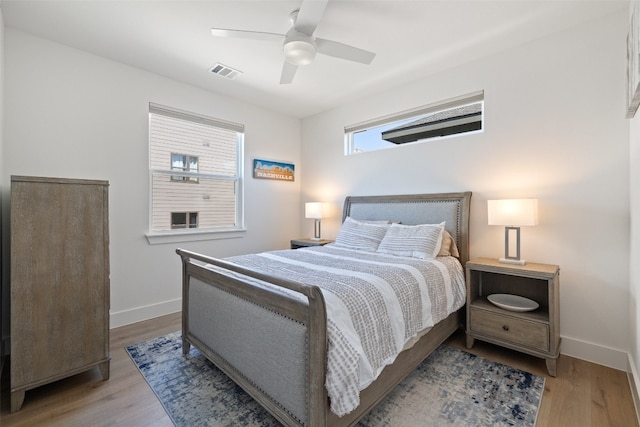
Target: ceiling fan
point(299, 45)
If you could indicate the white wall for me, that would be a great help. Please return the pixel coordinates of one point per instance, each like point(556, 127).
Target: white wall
point(73, 114)
point(634, 255)
point(4, 291)
point(555, 130)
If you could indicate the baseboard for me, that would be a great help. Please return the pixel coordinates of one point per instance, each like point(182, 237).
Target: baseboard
point(632, 375)
point(611, 357)
point(138, 314)
point(591, 352)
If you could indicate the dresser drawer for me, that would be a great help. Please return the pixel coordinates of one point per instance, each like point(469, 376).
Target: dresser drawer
point(506, 328)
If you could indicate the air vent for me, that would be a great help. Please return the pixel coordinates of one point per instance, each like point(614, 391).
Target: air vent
point(225, 71)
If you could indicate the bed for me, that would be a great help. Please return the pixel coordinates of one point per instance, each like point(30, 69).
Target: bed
point(274, 335)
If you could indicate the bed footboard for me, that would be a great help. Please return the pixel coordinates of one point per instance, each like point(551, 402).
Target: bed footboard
point(271, 342)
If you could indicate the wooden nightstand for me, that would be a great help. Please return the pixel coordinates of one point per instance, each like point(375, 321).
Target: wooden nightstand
point(303, 243)
point(534, 332)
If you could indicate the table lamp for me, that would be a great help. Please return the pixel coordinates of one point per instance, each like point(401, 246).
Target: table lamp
point(314, 210)
point(512, 213)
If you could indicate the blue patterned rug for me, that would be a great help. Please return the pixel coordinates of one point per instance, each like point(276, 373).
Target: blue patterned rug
point(451, 387)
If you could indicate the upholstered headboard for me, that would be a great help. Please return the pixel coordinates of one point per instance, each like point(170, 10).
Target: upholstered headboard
point(411, 209)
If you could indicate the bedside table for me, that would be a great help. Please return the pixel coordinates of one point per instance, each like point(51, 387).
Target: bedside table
point(303, 243)
point(535, 332)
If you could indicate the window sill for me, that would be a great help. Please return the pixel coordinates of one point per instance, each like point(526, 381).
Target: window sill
point(159, 238)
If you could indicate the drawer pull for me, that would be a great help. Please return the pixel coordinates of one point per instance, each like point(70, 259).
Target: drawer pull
point(505, 327)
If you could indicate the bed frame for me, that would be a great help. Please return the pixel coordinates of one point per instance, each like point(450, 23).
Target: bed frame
point(274, 345)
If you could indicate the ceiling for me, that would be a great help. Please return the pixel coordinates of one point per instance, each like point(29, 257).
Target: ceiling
point(412, 39)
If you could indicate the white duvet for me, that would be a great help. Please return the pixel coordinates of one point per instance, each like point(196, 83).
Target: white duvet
point(376, 305)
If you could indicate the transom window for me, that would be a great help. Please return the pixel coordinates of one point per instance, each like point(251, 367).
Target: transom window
point(190, 148)
point(455, 116)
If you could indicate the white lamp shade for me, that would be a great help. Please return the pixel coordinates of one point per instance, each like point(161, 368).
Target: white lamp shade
point(313, 210)
point(515, 212)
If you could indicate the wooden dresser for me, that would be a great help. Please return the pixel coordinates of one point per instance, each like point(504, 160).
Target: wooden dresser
point(59, 280)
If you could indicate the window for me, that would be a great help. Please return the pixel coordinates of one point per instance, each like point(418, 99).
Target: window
point(184, 220)
point(452, 117)
point(187, 149)
point(184, 163)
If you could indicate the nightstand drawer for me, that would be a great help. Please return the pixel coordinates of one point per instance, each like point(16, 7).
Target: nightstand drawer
point(506, 328)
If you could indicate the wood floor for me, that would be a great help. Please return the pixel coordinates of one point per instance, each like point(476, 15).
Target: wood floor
point(582, 395)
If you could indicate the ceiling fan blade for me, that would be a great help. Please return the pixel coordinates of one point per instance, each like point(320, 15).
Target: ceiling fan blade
point(344, 51)
point(243, 34)
point(288, 72)
point(309, 15)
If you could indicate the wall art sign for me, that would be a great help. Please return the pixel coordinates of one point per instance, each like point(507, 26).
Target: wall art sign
point(633, 62)
point(269, 169)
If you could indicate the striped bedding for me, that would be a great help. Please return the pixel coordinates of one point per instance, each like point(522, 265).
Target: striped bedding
point(376, 304)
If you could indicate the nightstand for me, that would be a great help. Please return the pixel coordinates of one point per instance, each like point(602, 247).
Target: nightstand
point(303, 243)
point(535, 332)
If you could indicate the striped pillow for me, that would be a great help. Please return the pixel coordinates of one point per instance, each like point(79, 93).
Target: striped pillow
point(360, 235)
point(418, 241)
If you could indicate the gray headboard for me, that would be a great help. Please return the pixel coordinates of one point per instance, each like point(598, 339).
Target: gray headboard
point(411, 209)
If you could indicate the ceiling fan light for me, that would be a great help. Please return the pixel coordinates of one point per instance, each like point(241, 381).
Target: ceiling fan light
point(299, 52)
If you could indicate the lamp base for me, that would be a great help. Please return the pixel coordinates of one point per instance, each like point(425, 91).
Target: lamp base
point(316, 230)
point(315, 238)
point(512, 261)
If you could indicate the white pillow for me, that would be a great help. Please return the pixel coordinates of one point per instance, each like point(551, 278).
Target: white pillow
point(418, 241)
point(360, 235)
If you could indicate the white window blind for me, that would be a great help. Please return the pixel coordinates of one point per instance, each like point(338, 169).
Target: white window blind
point(211, 186)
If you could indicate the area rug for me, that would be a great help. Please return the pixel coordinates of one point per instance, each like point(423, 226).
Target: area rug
point(451, 387)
